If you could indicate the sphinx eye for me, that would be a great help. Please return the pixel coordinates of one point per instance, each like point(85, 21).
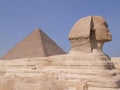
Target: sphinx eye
point(105, 24)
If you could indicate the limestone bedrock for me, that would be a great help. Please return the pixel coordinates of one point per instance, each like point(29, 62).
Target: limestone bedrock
point(85, 67)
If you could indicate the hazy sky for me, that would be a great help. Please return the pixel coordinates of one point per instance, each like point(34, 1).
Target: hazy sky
point(18, 18)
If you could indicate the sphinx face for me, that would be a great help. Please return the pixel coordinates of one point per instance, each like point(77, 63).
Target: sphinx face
point(101, 30)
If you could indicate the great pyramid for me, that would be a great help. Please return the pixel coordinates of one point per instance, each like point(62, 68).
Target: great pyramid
point(37, 44)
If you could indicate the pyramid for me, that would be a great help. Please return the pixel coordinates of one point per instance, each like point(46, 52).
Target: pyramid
point(37, 44)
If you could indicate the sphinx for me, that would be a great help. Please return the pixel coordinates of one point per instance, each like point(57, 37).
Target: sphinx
point(85, 67)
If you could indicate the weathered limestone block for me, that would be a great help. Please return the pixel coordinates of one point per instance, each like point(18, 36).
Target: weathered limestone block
point(116, 61)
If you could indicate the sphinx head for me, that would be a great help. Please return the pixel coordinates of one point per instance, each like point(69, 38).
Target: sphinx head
point(89, 34)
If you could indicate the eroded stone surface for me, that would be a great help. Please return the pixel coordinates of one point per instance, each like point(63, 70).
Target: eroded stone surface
point(116, 61)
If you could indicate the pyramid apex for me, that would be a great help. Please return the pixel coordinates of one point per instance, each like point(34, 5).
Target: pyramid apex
point(37, 29)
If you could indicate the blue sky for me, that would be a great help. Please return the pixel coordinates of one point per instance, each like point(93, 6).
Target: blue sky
point(18, 18)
